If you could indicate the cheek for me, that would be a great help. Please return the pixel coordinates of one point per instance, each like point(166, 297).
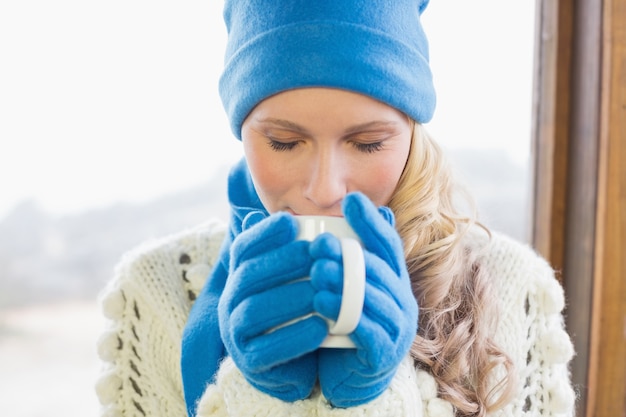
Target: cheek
point(381, 181)
point(269, 178)
point(380, 177)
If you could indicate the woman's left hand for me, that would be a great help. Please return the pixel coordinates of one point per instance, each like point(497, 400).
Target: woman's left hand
point(266, 309)
point(388, 324)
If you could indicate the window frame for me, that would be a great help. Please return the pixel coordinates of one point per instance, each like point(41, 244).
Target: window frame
point(579, 187)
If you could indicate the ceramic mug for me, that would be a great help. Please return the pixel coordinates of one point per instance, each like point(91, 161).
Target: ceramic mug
point(353, 292)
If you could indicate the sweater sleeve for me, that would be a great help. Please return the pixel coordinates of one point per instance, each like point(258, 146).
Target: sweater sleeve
point(147, 304)
point(547, 386)
point(532, 331)
point(232, 395)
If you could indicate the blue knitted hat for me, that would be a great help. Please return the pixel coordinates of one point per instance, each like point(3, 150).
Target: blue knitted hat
point(373, 47)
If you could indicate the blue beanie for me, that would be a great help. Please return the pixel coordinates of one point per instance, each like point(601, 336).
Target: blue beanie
point(373, 47)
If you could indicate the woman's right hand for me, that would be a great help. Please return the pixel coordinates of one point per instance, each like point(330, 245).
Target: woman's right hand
point(265, 290)
point(388, 324)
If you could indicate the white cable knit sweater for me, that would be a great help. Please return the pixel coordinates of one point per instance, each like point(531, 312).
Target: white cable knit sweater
point(154, 287)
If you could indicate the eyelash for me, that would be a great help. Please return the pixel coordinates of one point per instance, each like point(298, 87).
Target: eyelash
point(361, 147)
point(282, 146)
point(368, 147)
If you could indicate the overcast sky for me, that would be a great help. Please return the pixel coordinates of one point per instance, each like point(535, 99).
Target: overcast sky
point(107, 101)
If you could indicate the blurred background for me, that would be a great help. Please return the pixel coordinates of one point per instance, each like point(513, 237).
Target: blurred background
point(112, 132)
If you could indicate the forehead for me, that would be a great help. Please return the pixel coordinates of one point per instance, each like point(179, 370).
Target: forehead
point(324, 105)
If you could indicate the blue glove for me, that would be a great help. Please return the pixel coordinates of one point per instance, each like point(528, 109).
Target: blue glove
point(202, 349)
point(201, 346)
point(264, 290)
point(383, 337)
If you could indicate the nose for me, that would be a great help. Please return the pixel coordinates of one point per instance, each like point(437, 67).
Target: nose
point(326, 183)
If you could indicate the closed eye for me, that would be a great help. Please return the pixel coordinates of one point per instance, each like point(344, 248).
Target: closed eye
point(368, 147)
point(282, 146)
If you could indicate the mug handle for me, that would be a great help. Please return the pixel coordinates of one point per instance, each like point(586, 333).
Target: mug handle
point(353, 292)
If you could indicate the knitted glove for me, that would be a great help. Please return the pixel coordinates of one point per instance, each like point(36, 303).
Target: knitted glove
point(264, 290)
point(388, 325)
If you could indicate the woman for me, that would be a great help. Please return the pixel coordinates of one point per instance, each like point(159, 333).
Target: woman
point(328, 99)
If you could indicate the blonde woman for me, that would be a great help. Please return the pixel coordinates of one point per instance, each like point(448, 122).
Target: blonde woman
point(328, 99)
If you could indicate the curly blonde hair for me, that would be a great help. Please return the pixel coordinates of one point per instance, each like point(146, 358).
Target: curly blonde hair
point(457, 309)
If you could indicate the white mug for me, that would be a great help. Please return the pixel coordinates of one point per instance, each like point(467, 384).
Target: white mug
point(353, 292)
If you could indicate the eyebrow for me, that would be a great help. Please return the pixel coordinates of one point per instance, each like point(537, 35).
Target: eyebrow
point(375, 124)
point(284, 123)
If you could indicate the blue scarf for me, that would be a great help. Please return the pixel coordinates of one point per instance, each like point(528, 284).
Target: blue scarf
point(202, 347)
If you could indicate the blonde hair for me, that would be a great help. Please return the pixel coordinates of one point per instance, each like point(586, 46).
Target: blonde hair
point(452, 290)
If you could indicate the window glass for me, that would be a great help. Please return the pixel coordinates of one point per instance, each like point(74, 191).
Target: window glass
point(482, 60)
point(112, 132)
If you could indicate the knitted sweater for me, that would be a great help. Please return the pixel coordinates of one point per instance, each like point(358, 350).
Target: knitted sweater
point(148, 301)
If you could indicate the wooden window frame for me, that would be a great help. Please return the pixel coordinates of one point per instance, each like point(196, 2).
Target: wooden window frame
point(579, 187)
